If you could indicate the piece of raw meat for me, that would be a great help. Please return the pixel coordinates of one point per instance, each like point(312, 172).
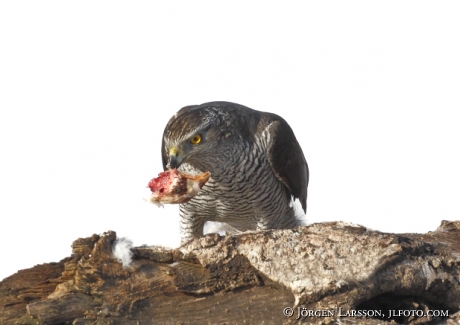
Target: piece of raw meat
point(172, 187)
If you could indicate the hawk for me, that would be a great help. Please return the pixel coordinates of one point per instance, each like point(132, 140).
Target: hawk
point(257, 167)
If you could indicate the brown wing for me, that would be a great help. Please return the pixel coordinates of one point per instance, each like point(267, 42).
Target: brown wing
point(287, 160)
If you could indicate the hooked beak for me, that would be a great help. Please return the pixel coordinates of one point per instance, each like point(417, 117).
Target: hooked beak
point(174, 159)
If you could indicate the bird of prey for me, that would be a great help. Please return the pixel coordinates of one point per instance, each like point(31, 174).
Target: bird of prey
point(257, 167)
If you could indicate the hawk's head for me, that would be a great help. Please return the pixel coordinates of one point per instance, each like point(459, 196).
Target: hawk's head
point(200, 135)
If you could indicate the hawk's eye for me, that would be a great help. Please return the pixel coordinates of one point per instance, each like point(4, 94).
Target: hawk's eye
point(195, 139)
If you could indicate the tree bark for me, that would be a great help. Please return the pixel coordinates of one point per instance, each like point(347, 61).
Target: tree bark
point(324, 273)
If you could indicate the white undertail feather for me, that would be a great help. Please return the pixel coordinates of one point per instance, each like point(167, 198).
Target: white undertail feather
point(299, 214)
point(122, 250)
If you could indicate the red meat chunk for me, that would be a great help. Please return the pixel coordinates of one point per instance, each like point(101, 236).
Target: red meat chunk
point(163, 182)
point(172, 187)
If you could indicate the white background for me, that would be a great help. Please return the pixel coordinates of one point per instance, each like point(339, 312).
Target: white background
point(371, 90)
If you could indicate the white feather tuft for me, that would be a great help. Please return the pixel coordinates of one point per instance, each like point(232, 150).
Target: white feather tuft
point(122, 250)
point(221, 228)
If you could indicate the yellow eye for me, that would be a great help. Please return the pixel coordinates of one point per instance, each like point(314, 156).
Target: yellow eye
point(195, 139)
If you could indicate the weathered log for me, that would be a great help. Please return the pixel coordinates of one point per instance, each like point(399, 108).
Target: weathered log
point(327, 273)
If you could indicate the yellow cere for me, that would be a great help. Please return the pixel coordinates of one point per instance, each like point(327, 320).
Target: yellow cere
point(173, 151)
